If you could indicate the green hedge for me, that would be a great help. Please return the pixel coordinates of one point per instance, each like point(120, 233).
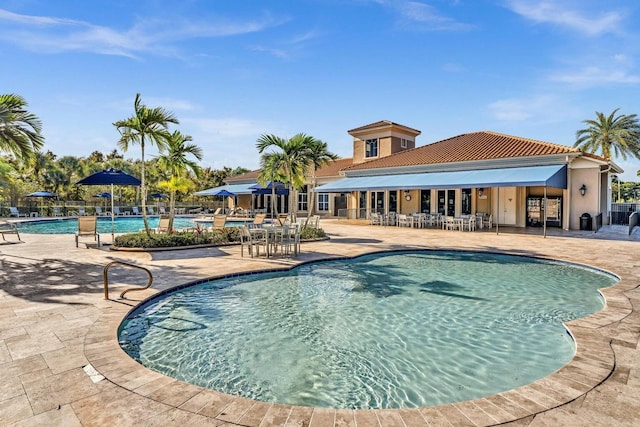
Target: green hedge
point(191, 238)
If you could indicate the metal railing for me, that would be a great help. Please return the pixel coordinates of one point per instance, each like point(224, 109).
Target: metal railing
point(105, 277)
point(598, 224)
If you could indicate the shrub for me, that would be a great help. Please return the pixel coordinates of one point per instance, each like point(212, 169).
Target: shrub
point(191, 238)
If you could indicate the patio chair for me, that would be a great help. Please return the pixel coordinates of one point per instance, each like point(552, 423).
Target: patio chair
point(375, 218)
point(82, 212)
point(116, 211)
point(57, 211)
point(7, 227)
point(253, 239)
point(88, 226)
point(162, 211)
point(259, 219)
point(219, 221)
point(135, 210)
point(488, 221)
point(283, 218)
point(403, 221)
point(163, 224)
point(449, 223)
point(13, 211)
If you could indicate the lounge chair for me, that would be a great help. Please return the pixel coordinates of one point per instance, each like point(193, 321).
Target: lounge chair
point(116, 211)
point(150, 210)
point(161, 210)
point(57, 211)
point(8, 228)
point(88, 226)
point(13, 211)
point(135, 210)
point(81, 212)
point(100, 212)
point(195, 210)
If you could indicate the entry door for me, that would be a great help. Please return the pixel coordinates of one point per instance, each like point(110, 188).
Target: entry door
point(507, 208)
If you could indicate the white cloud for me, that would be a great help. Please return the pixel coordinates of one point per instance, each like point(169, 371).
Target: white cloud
point(52, 35)
point(228, 127)
point(541, 107)
point(555, 12)
point(416, 15)
point(615, 70)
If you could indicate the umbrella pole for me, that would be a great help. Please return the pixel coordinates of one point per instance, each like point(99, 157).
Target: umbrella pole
point(112, 217)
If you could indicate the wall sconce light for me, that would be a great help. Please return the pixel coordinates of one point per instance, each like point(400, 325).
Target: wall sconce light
point(480, 192)
point(583, 190)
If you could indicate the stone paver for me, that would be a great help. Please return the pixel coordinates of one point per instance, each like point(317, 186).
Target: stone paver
point(54, 321)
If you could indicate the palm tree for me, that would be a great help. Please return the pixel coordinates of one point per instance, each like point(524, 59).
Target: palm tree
point(320, 156)
point(19, 129)
point(290, 158)
point(146, 124)
point(176, 162)
point(617, 135)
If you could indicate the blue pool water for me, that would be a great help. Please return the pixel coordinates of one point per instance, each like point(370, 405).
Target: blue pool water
point(390, 330)
point(123, 224)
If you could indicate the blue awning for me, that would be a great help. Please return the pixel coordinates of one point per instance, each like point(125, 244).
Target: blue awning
point(233, 188)
point(533, 176)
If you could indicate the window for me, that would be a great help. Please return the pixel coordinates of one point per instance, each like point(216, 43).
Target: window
point(403, 143)
point(303, 199)
point(323, 202)
point(371, 148)
point(466, 201)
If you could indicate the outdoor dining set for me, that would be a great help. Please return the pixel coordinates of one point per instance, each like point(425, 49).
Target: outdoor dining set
point(422, 220)
point(277, 238)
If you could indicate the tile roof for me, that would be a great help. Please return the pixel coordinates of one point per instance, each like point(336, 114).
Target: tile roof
point(247, 175)
point(474, 146)
point(334, 167)
point(382, 123)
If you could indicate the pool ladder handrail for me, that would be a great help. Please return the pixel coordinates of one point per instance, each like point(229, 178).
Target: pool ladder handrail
point(105, 277)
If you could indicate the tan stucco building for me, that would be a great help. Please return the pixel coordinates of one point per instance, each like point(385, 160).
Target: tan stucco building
point(510, 178)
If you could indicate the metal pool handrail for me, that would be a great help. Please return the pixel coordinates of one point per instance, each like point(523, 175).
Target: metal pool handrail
point(105, 277)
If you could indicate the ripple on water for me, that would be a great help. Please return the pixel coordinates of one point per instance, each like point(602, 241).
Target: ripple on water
point(386, 331)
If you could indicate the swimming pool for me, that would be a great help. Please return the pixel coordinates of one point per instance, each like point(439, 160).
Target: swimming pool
point(388, 330)
point(123, 224)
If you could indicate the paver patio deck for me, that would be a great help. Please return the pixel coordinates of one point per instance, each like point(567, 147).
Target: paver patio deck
point(54, 321)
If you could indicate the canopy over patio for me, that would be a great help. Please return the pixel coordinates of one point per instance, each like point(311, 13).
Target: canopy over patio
point(543, 176)
point(236, 189)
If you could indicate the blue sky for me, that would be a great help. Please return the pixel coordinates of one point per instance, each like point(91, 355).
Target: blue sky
point(233, 70)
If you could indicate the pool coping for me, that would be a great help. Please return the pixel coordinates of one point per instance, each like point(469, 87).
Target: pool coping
point(592, 364)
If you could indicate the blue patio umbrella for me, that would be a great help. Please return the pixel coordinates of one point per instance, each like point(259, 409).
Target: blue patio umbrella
point(104, 196)
point(43, 195)
point(158, 196)
point(110, 177)
point(224, 193)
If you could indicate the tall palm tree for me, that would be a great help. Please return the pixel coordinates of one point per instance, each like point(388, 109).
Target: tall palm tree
point(290, 157)
point(20, 131)
point(177, 163)
point(617, 135)
point(319, 155)
point(146, 125)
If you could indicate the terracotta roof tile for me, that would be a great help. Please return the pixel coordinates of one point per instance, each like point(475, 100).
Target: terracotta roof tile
point(483, 145)
point(334, 167)
point(247, 175)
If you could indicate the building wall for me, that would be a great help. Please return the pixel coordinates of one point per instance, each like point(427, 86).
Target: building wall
point(389, 142)
point(590, 202)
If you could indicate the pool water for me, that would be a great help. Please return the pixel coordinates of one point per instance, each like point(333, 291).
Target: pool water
point(389, 330)
point(123, 224)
